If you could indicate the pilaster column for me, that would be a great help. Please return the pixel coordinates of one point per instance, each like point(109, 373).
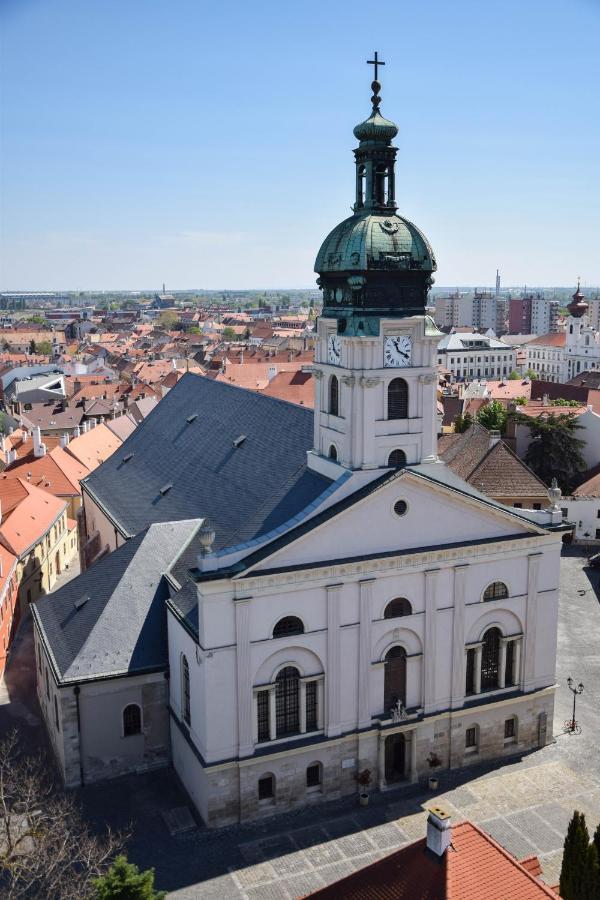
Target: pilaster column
point(428, 412)
point(381, 761)
point(333, 659)
point(458, 638)
point(244, 676)
point(364, 653)
point(430, 654)
point(517, 663)
point(272, 714)
point(302, 706)
point(477, 673)
point(413, 756)
point(255, 717)
point(533, 568)
point(320, 716)
point(502, 663)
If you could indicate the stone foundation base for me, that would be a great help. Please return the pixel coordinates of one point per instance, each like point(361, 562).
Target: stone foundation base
point(229, 793)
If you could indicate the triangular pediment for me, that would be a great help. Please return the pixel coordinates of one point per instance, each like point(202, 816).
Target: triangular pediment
point(437, 514)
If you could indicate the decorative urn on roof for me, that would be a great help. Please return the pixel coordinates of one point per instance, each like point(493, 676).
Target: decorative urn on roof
point(375, 263)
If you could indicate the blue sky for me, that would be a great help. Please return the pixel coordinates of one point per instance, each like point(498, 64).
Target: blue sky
point(209, 145)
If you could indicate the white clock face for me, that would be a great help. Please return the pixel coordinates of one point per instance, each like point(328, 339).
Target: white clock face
point(397, 351)
point(334, 349)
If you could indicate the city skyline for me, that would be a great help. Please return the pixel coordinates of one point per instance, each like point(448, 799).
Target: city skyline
point(148, 143)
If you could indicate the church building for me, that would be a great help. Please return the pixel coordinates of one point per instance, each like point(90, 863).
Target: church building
point(293, 598)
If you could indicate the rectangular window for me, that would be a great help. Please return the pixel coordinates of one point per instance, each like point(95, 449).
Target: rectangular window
point(311, 706)
point(56, 719)
point(471, 738)
point(518, 505)
point(509, 728)
point(262, 702)
point(537, 505)
point(565, 512)
point(47, 686)
point(509, 672)
point(597, 534)
point(313, 776)
point(470, 685)
point(265, 788)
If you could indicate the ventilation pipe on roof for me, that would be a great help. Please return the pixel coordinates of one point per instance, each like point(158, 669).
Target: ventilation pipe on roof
point(76, 431)
point(439, 830)
point(64, 439)
point(12, 456)
point(39, 449)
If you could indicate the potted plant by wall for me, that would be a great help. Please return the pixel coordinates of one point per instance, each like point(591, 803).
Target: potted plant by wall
point(364, 780)
point(434, 762)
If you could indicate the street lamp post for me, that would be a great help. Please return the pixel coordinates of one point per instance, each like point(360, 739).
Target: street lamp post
point(575, 689)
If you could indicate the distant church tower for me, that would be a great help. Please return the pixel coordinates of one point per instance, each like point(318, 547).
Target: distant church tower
point(375, 359)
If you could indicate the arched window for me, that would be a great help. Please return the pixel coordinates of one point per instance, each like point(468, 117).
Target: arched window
point(334, 396)
point(496, 591)
point(490, 659)
point(287, 626)
point(287, 702)
point(397, 459)
point(381, 184)
point(132, 720)
point(333, 453)
point(394, 678)
point(361, 178)
point(185, 690)
point(397, 399)
point(396, 608)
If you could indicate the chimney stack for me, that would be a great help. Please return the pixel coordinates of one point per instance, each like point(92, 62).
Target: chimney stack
point(77, 431)
point(545, 400)
point(39, 449)
point(64, 439)
point(439, 830)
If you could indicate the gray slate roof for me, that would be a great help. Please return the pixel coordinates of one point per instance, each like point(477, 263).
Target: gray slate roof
point(247, 491)
point(121, 628)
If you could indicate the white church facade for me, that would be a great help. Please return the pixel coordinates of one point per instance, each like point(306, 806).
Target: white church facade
point(316, 595)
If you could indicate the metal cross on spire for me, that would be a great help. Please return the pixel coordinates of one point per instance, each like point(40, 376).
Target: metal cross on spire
point(376, 63)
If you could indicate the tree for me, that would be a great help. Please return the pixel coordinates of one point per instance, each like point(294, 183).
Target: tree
point(44, 348)
point(554, 450)
point(124, 881)
point(531, 374)
point(46, 850)
point(493, 416)
point(580, 871)
point(514, 376)
point(32, 346)
point(228, 334)
point(463, 423)
point(167, 319)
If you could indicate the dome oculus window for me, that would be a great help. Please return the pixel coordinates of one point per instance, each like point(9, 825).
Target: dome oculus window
point(400, 507)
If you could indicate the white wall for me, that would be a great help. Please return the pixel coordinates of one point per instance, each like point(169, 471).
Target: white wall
point(584, 512)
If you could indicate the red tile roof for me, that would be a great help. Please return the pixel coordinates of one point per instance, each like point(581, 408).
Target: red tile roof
point(27, 514)
point(555, 339)
point(475, 867)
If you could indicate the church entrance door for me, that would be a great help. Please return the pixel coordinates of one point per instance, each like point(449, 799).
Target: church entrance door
point(395, 758)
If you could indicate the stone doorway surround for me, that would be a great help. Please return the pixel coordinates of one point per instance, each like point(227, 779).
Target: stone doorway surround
point(410, 751)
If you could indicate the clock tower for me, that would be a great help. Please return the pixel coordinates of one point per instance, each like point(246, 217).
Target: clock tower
point(375, 358)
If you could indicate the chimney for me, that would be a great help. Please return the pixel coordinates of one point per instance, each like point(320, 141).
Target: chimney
point(439, 830)
point(76, 431)
point(494, 438)
point(39, 449)
point(545, 400)
point(174, 363)
point(64, 439)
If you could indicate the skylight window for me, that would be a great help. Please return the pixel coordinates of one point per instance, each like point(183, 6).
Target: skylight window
point(165, 489)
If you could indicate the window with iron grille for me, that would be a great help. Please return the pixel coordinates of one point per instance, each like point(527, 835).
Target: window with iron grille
point(509, 728)
point(313, 775)
point(266, 787)
point(397, 399)
point(262, 703)
point(132, 720)
point(398, 607)
point(470, 684)
point(287, 703)
point(471, 737)
point(334, 396)
point(490, 659)
point(510, 676)
point(311, 706)
point(496, 591)
point(287, 626)
point(185, 679)
point(397, 458)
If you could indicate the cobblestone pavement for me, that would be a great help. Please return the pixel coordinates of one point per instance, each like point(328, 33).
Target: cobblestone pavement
point(525, 805)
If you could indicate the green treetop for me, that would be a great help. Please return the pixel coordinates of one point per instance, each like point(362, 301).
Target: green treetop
point(124, 881)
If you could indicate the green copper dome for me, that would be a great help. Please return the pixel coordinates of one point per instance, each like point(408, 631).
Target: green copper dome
point(366, 242)
point(376, 128)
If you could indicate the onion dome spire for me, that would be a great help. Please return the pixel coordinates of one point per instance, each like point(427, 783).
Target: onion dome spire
point(578, 307)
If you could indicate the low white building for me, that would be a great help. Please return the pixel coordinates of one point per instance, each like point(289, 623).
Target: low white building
point(469, 356)
point(561, 356)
